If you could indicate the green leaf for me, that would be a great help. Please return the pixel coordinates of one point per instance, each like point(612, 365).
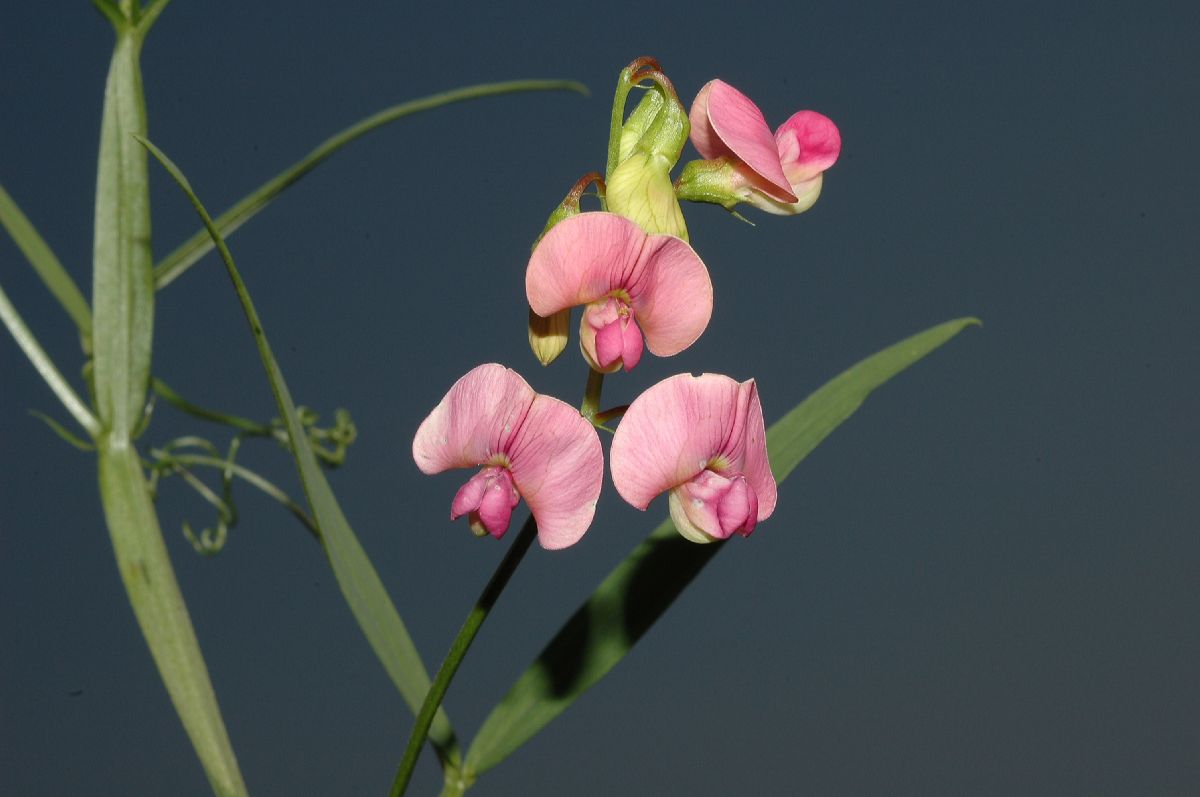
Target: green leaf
point(640, 589)
point(356, 576)
point(123, 282)
point(63, 432)
point(46, 264)
point(45, 366)
point(149, 15)
point(161, 612)
point(110, 11)
point(200, 244)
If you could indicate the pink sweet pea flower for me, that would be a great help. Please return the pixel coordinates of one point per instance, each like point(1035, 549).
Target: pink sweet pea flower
point(633, 283)
point(528, 446)
point(702, 438)
point(780, 174)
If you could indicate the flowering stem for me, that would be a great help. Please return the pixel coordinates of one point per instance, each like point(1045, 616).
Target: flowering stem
point(630, 76)
point(602, 418)
point(591, 395)
point(618, 118)
point(458, 649)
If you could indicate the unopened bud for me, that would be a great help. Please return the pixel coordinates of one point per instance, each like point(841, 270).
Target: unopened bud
point(651, 141)
point(548, 335)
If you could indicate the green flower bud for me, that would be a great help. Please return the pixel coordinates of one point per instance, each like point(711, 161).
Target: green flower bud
point(651, 141)
point(548, 336)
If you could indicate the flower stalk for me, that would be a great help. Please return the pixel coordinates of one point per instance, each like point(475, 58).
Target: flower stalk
point(458, 650)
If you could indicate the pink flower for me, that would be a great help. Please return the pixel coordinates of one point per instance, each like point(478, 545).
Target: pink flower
point(702, 438)
point(633, 284)
point(528, 446)
point(779, 174)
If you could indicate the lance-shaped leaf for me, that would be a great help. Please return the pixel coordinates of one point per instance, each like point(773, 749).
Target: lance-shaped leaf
point(122, 279)
point(47, 265)
point(356, 576)
point(639, 589)
point(162, 614)
point(200, 244)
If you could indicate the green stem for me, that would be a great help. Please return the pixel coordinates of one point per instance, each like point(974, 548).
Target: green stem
point(454, 787)
point(458, 649)
point(177, 401)
point(248, 476)
point(624, 84)
point(602, 418)
point(45, 367)
point(591, 395)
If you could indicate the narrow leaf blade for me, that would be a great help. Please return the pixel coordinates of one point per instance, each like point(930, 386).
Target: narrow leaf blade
point(356, 576)
point(162, 614)
point(122, 277)
point(201, 243)
point(45, 263)
point(637, 592)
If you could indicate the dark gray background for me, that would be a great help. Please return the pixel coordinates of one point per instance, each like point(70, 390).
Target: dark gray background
point(985, 583)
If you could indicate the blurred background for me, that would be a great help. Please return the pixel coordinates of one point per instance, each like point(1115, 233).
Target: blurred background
point(986, 582)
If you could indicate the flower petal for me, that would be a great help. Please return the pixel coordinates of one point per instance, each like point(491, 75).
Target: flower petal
point(470, 495)
point(580, 260)
point(488, 497)
point(475, 421)
point(631, 345)
point(737, 509)
point(704, 138)
point(609, 344)
point(670, 433)
point(696, 522)
point(558, 467)
point(746, 449)
point(673, 298)
point(726, 122)
point(808, 143)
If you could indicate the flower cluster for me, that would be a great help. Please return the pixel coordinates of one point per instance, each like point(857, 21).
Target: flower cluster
point(641, 285)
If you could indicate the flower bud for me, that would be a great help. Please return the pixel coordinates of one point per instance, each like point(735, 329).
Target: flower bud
point(638, 123)
point(651, 141)
point(548, 336)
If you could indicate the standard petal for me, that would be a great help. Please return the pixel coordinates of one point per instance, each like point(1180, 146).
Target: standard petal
point(580, 260)
point(808, 143)
point(743, 131)
point(704, 138)
point(673, 298)
point(475, 420)
point(670, 433)
point(558, 467)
